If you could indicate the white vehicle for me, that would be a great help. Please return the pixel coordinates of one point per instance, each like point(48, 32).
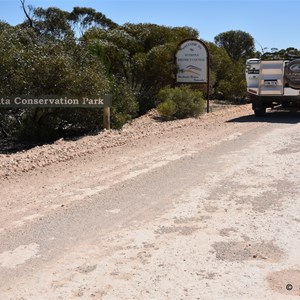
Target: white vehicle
point(272, 82)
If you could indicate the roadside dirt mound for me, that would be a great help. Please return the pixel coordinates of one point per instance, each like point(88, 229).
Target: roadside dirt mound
point(62, 150)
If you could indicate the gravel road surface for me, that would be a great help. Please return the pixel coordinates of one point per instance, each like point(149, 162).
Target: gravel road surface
point(204, 208)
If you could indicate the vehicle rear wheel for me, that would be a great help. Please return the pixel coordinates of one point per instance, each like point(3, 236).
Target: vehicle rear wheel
point(258, 107)
point(285, 104)
point(259, 111)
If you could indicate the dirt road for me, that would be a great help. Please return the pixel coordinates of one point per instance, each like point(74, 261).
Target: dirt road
point(202, 208)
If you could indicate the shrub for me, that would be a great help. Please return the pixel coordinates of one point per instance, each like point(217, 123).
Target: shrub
point(124, 103)
point(233, 86)
point(180, 102)
point(167, 109)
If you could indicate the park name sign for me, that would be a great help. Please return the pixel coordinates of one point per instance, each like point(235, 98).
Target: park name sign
point(52, 101)
point(55, 101)
point(192, 59)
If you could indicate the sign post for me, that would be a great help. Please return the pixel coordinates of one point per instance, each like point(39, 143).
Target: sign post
point(192, 60)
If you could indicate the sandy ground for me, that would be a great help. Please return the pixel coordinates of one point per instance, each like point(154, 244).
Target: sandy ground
point(203, 208)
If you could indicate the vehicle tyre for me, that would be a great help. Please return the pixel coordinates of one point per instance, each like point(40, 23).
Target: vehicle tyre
point(292, 74)
point(259, 111)
point(285, 104)
point(258, 107)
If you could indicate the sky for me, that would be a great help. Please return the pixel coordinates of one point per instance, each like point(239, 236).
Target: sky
point(272, 23)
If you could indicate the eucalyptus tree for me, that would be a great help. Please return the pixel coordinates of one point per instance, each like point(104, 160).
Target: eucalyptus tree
point(238, 44)
point(52, 22)
point(84, 18)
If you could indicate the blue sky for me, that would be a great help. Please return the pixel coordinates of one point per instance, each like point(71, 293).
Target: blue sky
point(272, 23)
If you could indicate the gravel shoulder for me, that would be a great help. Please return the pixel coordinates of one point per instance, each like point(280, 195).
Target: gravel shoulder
point(64, 150)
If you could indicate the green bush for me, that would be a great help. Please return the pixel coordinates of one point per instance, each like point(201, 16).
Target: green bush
point(167, 109)
point(180, 102)
point(124, 103)
point(232, 86)
point(38, 125)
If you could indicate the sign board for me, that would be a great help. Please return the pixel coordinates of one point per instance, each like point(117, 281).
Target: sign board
point(52, 101)
point(192, 62)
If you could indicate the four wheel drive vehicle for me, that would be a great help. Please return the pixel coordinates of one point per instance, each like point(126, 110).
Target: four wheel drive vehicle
point(272, 82)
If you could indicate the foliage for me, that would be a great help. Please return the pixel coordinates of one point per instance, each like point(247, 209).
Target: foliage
point(125, 106)
point(51, 23)
point(142, 54)
point(238, 44)
point(152, 35)
point(180, 102)
point(55, 23)
point(220, 63)
point(167, 109)
point(33, 66)
point(227, 77)
point(48, 124)
point(84, 18)
point(233, 87)
point(275, 53)
point(159, 71)
point(8, 121)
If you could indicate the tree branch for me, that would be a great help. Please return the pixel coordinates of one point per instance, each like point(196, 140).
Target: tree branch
point(26, 14)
